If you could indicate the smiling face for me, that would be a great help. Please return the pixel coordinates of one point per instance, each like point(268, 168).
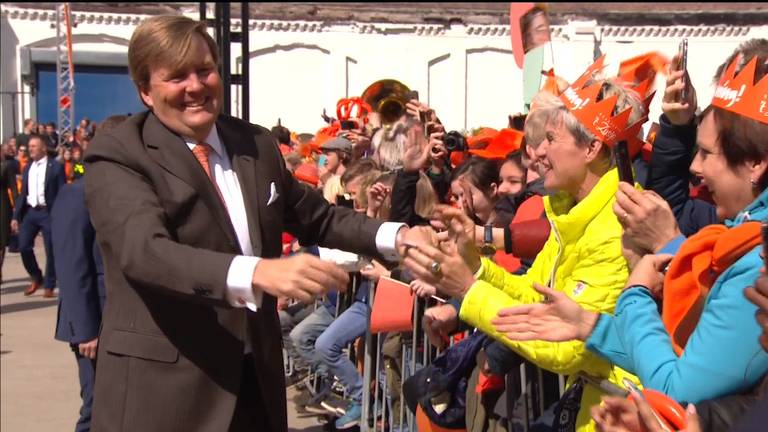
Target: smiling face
point(731, 188)
point(538, 34)
point(186, 100)
point(561, 161)
point(512, 178)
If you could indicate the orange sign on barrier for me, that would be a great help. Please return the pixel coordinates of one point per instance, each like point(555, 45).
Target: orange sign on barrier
point(392, 307)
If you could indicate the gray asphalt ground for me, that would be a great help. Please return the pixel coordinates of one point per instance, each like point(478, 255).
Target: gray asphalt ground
point(39, 388)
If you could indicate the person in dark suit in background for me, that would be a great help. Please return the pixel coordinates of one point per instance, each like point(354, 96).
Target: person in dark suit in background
point(81, 287)
point(80, 271)
point(41, 181)
point(8, 196)
point(189, 206)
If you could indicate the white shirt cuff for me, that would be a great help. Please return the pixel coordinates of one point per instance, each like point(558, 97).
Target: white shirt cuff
point(240, 283)
point(386, 238)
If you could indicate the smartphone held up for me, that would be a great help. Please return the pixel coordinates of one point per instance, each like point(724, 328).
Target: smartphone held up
point(682, 65)
point(623, 162)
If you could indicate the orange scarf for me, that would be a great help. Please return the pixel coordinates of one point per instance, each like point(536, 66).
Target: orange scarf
point(69, 171)
point(693, 271)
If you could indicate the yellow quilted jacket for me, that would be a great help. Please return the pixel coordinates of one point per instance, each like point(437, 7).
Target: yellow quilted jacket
point(582, 258)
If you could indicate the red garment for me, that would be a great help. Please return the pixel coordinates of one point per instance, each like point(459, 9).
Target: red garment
point(287, 242)
point(702, 192)
point(529, 233)
point(487, 383)
point(693, 271)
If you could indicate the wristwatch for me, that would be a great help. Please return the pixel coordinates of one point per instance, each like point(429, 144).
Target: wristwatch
point(488, 250)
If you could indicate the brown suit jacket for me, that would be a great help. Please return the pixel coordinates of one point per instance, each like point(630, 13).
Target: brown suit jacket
point(171, 347)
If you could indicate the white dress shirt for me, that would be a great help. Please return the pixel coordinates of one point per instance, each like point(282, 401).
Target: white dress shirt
point(240, 274)
point(36, 182)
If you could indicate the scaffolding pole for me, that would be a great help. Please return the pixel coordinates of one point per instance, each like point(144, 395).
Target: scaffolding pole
point(65, 71)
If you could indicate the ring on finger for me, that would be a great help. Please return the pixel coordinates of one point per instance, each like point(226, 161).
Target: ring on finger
point(435, 269)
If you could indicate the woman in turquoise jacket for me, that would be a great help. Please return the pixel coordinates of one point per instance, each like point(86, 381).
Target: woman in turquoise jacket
point(722, 356)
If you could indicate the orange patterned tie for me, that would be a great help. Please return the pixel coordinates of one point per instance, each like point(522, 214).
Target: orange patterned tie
point(201, 152)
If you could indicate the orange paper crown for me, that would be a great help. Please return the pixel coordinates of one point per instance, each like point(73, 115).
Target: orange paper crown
point(353, 107)
point(597, 116)
point(740, 95)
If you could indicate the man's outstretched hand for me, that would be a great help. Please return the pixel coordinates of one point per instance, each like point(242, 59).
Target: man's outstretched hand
point(302, 277)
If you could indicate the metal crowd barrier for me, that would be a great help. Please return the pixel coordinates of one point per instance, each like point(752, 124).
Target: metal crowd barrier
point(378, 409)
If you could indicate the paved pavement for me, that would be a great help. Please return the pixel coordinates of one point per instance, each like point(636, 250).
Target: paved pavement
point(39, 388)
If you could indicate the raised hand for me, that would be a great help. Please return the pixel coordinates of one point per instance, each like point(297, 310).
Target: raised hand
point(413, 107)
point(466, 197)
point(617, 414)
point(423, 289)
point(443, 267)
point(376, 196)
point(361, 142)
point(559, 319)
point(678, 112)
point(417, 150)
point(646, 217)
point(460, 229)
point(437, 152)
point(439, 322)
point(649, 272)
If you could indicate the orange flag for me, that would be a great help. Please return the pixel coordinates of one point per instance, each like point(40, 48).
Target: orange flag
point(643, 67)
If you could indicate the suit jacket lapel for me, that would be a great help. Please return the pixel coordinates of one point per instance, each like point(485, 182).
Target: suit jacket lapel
point(171, 152)
point(48, 168)
point(242, 151)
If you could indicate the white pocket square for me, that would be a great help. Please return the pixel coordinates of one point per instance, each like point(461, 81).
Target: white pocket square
point(272, 193)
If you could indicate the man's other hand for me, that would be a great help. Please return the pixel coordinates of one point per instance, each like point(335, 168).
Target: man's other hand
point(88, 349)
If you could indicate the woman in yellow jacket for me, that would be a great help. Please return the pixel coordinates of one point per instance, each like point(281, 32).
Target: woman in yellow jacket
point(583, 254)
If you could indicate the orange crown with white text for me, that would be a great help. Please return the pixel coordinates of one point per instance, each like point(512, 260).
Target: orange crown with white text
point(597, 116)
point(740, 95)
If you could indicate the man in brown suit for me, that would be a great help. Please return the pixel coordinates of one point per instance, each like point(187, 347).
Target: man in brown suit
point(189, 206)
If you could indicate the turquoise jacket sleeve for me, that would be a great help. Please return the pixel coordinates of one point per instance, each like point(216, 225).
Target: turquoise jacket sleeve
point(673, 245)
point(722, 355)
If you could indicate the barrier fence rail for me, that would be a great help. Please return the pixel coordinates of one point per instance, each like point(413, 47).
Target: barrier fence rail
point(528, 389)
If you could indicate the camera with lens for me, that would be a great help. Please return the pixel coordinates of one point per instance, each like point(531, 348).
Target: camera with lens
point(347, 124)
point(454, 141)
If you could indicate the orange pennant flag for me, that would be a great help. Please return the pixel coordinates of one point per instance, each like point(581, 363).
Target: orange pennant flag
point(643, 67)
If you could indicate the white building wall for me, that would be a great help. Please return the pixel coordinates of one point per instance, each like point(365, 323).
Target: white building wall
point(466, 73)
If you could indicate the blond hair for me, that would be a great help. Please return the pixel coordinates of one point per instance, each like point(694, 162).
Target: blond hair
point(426, 197)
point(555, 112)
point(165, 41)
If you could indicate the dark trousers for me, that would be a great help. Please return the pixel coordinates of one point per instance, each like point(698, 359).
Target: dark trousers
point(13, 243)
point(250, 414)
point(87, 370)
point(35, 221)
